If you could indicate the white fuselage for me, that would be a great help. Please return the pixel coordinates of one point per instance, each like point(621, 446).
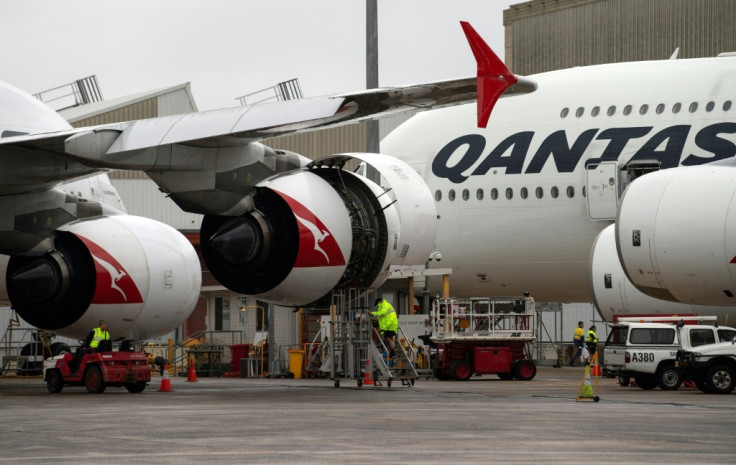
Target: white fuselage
point(505, 246)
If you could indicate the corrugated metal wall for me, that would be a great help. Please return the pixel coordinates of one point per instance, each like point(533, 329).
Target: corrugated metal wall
point(145, 109)
point(142, 198)
point(175, 103)
point(555, 34)
point(317, 144)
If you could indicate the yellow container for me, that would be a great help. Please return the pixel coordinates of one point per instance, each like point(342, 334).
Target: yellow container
point(296, 362)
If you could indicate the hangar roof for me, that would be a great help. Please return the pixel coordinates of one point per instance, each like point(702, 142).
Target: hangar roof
point(81, 112)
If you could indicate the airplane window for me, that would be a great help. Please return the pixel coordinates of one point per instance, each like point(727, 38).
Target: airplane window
point(564, 112)
point(570, 191)
point(595, 111)
point(726, 105)
point(710, 106)
point(676, 107)
point(451, 195)
point(627, 110)
point(479, 194)
point(643, 109)
point(612, 110)
point(554, 192)
point(524, 193)
point(579, 112)
point(509, 193)
point(660, 108)
point(540, 191)
point(438, 195)
point(494, 193)
point(466, 194)
point(693, 107)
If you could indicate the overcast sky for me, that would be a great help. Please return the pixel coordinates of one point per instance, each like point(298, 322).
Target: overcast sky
point(227, 48)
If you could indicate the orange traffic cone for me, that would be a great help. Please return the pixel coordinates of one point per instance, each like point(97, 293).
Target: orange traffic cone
point(191, 374)
point(165, 381)
point(367, 380)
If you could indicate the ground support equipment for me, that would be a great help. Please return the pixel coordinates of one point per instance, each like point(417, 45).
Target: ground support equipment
point(483, 336)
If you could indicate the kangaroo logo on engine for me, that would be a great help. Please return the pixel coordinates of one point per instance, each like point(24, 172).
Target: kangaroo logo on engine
point(113, 283)
point(317, 246)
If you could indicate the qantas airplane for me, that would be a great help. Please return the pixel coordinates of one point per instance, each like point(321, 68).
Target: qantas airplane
point(544, 199)
point(516, 207)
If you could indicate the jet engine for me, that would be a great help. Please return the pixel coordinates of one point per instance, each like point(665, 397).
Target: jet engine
point(141, 276)
point(615, 295)
point(314, 230)
point(676, 234)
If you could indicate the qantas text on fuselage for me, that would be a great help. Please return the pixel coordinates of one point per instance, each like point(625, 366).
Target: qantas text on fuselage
point(664, 145)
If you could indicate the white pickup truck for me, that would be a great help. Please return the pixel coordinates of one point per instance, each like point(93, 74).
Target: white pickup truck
point(646, 351)
point(712, 367)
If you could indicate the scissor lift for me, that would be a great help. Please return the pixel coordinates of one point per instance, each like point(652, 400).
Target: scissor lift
point(483, 336)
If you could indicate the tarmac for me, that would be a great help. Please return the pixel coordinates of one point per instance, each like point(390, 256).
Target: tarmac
point(256, 420)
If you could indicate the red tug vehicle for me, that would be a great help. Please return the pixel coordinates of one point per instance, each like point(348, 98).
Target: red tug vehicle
point(97, 370)
point(483, 336)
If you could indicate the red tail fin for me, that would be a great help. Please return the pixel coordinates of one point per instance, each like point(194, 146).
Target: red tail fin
point(493, 76)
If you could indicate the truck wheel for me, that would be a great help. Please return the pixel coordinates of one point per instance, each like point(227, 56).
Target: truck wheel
point(721, 379)
point(54, 383)
point(646, 382)
point(93, 380)
point(461, 370)
point(524, 370)
point(135, 388)
point(624, 381)
point(668, 377)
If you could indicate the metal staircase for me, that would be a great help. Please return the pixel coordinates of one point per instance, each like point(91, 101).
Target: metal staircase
point(354, 350)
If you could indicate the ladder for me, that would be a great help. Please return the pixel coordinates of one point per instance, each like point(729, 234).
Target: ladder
point(355, 348)
point(401, 366)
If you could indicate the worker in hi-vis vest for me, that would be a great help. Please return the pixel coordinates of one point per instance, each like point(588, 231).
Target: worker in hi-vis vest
point(388, 323)
point(591, 340)
point(97, 335)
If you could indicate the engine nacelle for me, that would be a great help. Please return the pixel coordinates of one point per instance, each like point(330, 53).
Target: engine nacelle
point(615, 295)
point(676, 234)
point(141, 276)
point(311, 231)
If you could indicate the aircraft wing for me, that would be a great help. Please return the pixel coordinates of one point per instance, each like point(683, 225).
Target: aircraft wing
point(101, 146)
point(243, 125)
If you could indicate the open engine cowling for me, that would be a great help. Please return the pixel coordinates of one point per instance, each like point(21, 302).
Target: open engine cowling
point(141, 276)
point(676, 235)
point(615, 295)
point(311, 231)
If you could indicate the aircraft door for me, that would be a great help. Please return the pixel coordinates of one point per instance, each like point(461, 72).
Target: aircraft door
point(601, 181)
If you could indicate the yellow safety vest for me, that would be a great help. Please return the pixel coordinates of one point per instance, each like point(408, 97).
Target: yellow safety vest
point(591, 337)
point(387, 320)
point(99, 335)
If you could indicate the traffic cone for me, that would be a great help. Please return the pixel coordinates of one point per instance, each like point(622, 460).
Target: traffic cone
point(596, 370)
point(165, 381)
point(367, 380)
point(191, 374)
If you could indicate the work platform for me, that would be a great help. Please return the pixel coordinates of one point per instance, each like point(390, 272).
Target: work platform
point(354, 348)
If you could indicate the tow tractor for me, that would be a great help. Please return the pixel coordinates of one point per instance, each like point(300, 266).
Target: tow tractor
point(98, 370)
point(483, 336)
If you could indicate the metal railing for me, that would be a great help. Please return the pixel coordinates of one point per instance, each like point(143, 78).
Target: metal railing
point(80, 92)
